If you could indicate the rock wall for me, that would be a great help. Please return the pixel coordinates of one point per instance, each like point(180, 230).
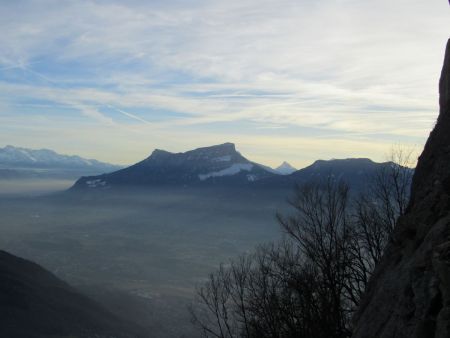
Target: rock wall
point(409, 294)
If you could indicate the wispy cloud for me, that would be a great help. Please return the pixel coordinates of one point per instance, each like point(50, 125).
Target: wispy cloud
point(354, 69)
point(95, 114)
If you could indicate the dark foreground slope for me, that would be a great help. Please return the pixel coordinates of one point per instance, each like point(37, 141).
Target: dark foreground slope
point(34, 303)
point(409, 295)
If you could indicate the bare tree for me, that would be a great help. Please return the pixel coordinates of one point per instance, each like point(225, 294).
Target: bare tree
point(272, 293)
point(212, 312)
point(310, 284)
point(390, 187)
point(322, 229)
point(296, 288)
point(386, 198)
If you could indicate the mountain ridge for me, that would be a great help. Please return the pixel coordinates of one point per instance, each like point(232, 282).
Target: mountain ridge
point(223, 165)
point(13, 157)
point(24, 163)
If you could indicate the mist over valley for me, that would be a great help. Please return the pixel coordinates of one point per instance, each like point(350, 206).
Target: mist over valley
point(140, 243)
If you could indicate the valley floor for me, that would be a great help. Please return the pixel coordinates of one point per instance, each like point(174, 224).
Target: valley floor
point(141, 253)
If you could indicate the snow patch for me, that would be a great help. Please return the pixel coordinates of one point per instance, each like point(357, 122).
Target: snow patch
point(28, 155)
point(226, 158)
point(233, 170)
point(87, 162)
point(95, 183)
point(252, 178)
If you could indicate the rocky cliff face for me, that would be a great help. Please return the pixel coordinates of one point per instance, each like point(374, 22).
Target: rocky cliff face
point(409, 295)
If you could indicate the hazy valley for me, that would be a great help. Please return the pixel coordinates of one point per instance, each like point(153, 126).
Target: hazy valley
point(141, 249)
point(224, 169)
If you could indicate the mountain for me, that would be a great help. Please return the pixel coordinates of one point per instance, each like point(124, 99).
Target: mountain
point(354, 171)
point(34, 303)
point(223, 165)
point(15, 157)
point(18, 162)
point(285, 169)
point(409, 293)
point(220, 164)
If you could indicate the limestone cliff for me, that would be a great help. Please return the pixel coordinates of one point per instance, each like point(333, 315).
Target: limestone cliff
point(409, 295)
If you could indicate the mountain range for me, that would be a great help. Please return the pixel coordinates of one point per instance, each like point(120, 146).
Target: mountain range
point(223, 165)
point(218, 165)
point(16, 162)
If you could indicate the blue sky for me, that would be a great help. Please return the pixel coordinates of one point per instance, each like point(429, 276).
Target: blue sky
point(293, 80)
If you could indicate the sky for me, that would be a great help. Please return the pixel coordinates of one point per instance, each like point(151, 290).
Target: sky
point(294, 80)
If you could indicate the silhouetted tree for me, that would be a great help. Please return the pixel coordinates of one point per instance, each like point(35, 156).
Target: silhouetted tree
point(310, 284)
point(378, 208)
point(322, 230)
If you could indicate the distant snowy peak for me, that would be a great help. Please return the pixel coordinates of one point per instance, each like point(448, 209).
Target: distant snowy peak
point(16, 157)
point(285, 169)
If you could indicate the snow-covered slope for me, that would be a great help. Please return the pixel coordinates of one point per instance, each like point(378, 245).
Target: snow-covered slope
point(14, 157)
point(17, 163)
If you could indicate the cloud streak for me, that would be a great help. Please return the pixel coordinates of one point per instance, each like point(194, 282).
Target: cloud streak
point(350, 68)
point(132, 116)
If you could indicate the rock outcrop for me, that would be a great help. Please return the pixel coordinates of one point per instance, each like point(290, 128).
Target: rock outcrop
point(409, 295)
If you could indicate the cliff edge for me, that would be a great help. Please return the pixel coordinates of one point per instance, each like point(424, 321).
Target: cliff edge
point(409, 294)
